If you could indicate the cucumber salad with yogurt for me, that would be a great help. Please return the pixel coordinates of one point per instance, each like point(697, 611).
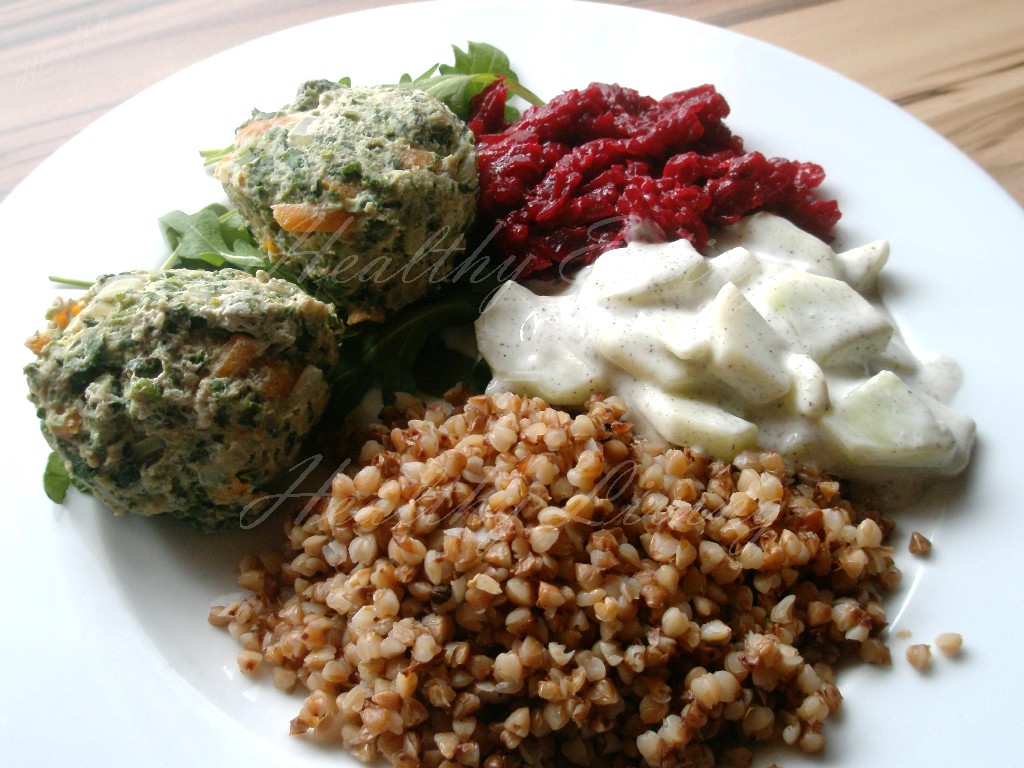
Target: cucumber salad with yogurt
point(775, 342)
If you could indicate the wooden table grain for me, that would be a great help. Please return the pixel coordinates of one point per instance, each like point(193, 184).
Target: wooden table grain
point(958, 65)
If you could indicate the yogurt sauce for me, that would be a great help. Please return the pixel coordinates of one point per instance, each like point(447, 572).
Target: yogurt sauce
point(777, 342)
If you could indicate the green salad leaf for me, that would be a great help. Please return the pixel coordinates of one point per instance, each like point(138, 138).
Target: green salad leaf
point(474, 69)
point(211, 156)
point(71, 282)
point(439, 367)
point(56, 479)
point(214, 235)
point(217, 237)
point(406, 353)
point(479, 57)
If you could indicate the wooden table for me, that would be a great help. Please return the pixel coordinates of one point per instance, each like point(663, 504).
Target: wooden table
point(956, 64)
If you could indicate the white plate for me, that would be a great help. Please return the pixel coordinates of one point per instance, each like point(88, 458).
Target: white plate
point(106, 653)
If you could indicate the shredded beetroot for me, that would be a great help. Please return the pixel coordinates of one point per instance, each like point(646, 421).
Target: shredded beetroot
point(487, 109)
point(578, 175)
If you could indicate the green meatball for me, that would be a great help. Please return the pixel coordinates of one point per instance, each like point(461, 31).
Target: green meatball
point(183, 392)
point(367, 192)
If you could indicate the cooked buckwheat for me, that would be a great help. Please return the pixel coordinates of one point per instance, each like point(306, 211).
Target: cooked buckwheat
point(505, 584)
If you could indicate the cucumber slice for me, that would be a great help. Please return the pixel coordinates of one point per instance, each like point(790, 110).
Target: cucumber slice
point(644, 274)
point(809, 395)
point(775, 238)
point(824, 318)
point(746, 353)
point(862, 265)
point(684, 421)
point(883, 422)
point(531, 347)
point(637, 345)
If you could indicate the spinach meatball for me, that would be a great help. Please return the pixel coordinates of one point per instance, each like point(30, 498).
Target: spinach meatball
point(182, 392)
point(367, 192)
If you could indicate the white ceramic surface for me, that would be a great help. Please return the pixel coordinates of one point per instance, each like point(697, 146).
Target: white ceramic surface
point(106, 657)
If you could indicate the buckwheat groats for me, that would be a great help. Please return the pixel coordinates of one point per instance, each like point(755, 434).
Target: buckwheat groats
point(504, 584)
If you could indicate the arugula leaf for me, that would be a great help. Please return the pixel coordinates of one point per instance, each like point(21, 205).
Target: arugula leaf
point(456, 90)
point(407, 79)
point(211, 156)
point(474, 69)
point(438, 367)
point(214, 236)
point(387, 354)
point(479, 57)
point(71, 282)
point(56, 479)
